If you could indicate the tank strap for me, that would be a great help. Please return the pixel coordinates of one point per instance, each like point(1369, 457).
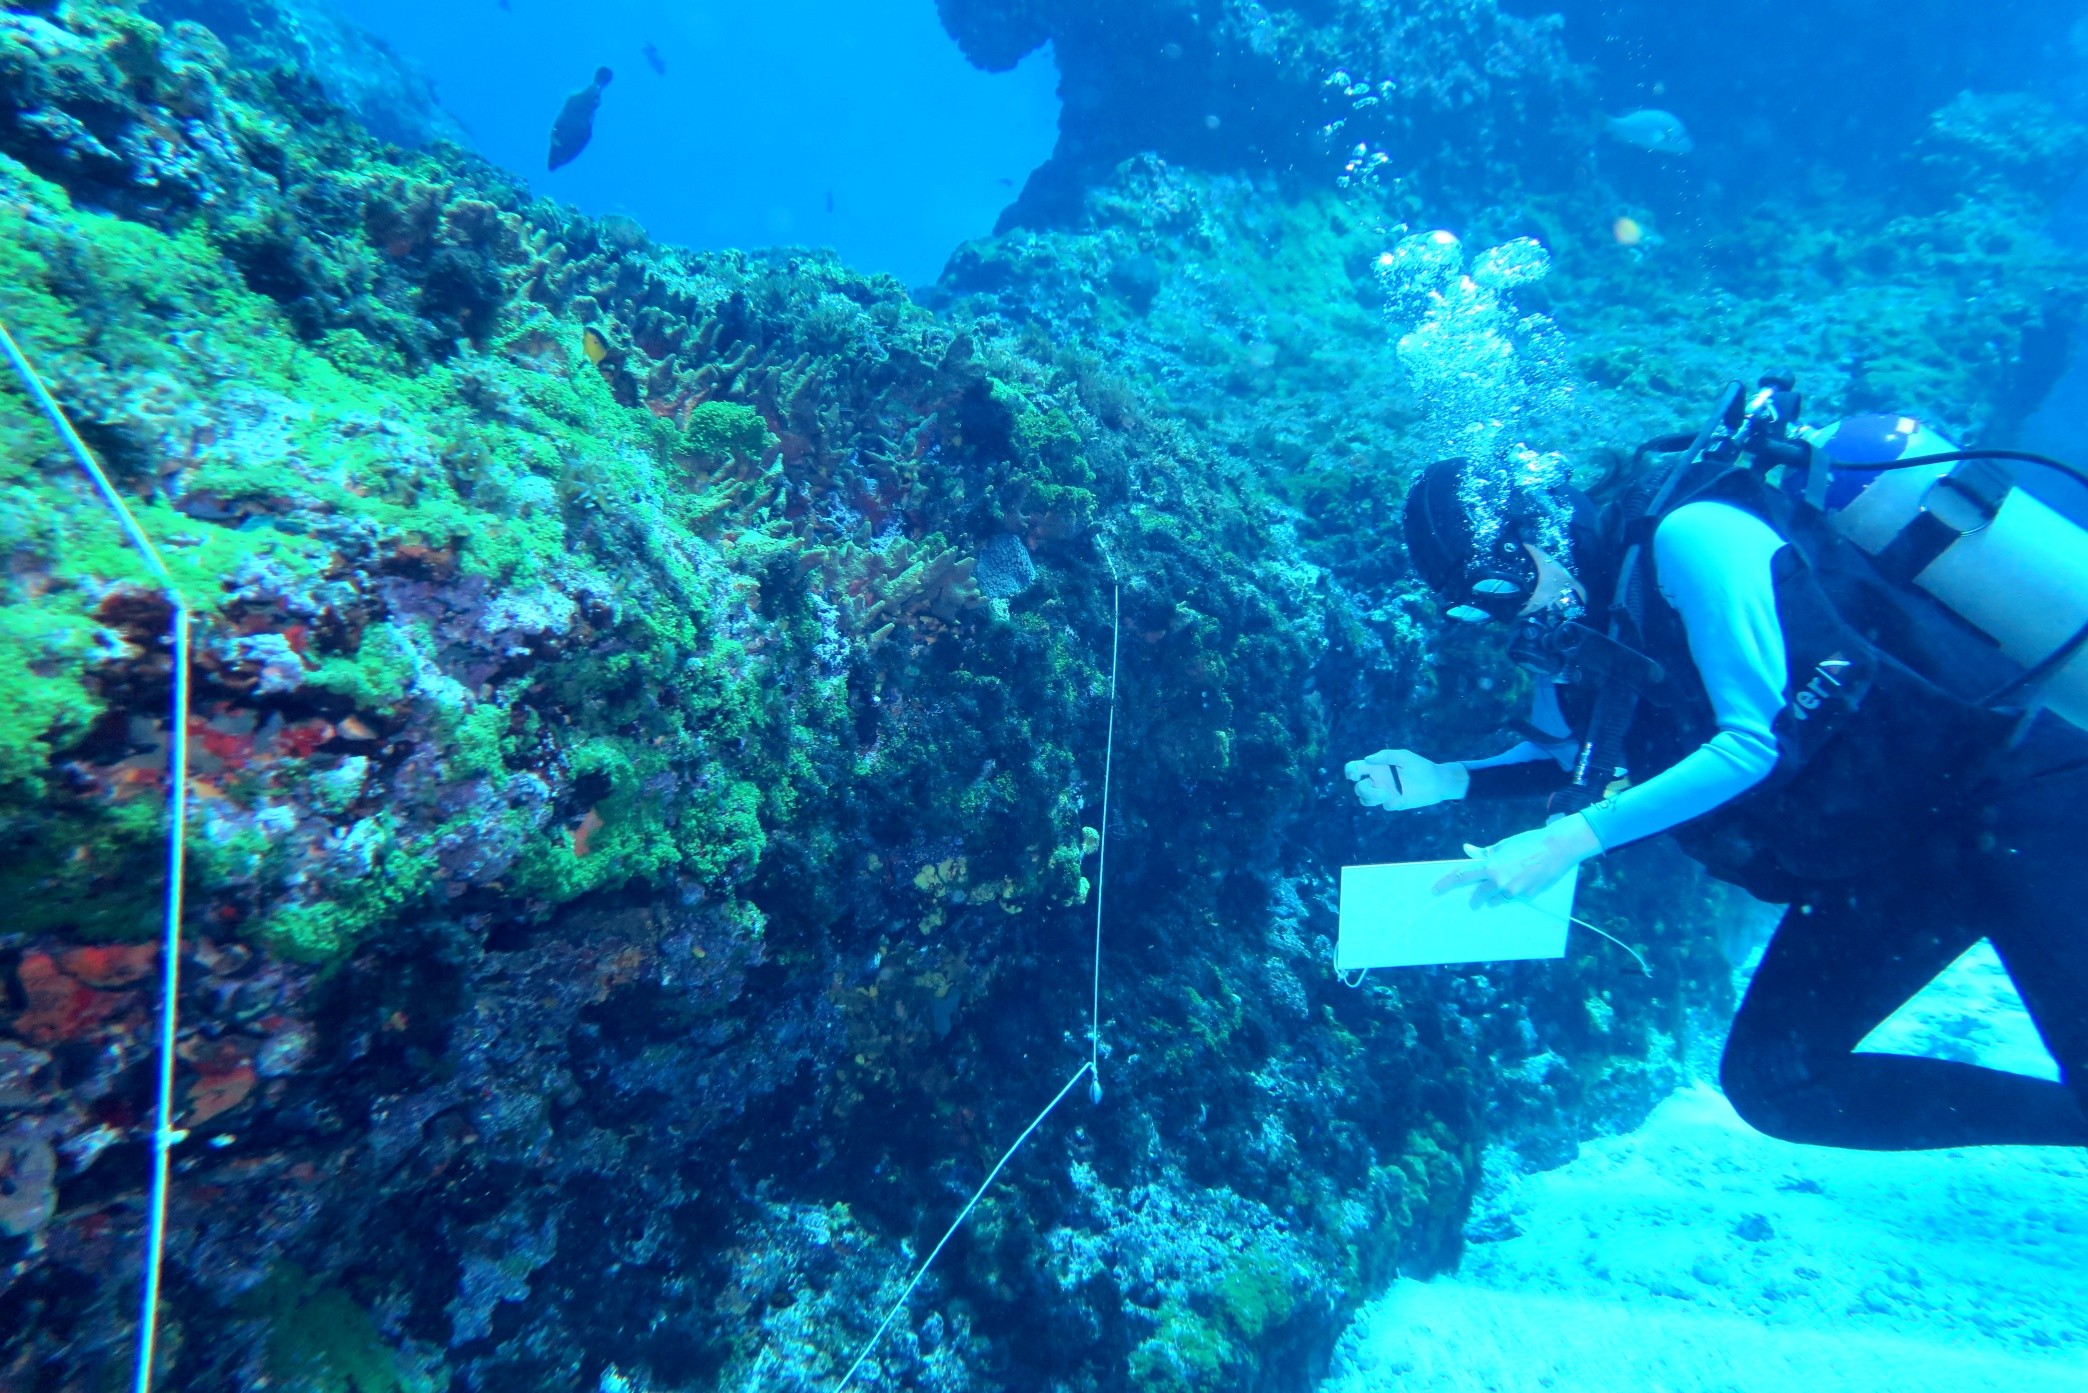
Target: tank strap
point(2037, 676)
point(1960, 503)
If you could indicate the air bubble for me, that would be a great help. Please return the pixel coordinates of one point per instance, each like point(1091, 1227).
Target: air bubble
point(1488, 375)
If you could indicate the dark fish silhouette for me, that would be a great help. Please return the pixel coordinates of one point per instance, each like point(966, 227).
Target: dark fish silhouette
point(830, 200)
point(652, 56)
point(575, 124)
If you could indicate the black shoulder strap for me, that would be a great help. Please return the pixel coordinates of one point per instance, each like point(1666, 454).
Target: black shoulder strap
point(1616, 700)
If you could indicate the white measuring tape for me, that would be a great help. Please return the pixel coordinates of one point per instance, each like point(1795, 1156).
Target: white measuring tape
point(164, 1135)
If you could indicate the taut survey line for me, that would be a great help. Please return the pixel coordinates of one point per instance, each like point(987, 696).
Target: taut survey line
point(1091, 1069)
point(164, 1136)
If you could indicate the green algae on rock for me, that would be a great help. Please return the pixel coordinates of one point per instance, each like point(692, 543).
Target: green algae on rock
point(649, 707)
point(655, 660)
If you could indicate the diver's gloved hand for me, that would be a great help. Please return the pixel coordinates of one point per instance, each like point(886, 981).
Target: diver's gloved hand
point(1400, 781)
point(1527, 863)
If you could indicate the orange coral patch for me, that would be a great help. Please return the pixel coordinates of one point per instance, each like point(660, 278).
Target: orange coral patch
point(59, 1007)
point(233, 747)
point(224, 1078)
point(110, 964)
point(582, 834)
point(300, 740)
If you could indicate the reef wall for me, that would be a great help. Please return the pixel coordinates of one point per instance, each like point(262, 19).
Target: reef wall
point(649, 723)
point(1475, 99)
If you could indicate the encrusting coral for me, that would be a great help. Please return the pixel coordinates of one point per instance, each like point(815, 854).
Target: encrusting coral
point(647, 732)
point(591, 656)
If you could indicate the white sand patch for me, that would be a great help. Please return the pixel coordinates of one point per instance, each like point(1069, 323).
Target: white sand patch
point(1696, 1255)
point(1457, 1337)
point(1971, 1013)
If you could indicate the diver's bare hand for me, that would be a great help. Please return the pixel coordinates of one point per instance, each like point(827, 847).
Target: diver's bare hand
point(1525, 864)
point(1400, 781)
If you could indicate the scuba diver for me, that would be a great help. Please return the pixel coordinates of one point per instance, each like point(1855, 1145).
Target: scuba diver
point(1845, 670)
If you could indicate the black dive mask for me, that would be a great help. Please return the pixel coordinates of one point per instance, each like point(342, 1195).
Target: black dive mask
point(1476, 582)
point(1496, 587)
point(1491, 598)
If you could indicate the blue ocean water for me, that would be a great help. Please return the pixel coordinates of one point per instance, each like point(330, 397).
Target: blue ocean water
point(757, 828)
point(793, 122)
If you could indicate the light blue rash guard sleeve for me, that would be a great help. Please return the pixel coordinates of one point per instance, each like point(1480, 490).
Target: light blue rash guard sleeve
point(1713, 560)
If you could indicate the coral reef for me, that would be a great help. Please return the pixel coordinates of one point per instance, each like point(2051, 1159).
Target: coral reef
point(1476, 106)
point(352, 68)
point(1474, 100)
point(646, 706)
point(649, 710)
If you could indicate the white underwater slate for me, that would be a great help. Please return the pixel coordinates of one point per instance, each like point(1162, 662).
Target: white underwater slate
point(1392, 916)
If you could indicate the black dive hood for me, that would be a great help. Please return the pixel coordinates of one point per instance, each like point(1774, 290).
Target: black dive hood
point(1494, 582)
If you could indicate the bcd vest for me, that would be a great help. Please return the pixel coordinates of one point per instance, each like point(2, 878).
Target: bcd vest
point(1878, 731)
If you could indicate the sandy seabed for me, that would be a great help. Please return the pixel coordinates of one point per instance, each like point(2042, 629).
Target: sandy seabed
point(1696, 1256)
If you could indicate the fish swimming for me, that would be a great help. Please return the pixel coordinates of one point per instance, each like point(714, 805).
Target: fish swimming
point(652, 56)
point(575, 124)
point(1662, 132)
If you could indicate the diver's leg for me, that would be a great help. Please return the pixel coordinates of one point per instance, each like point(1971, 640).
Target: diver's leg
point(1840, 963)
point(2032, 855)
point(2046, 955)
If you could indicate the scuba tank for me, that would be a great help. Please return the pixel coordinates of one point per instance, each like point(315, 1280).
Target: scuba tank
point(1955, 525)
point(1949, 525)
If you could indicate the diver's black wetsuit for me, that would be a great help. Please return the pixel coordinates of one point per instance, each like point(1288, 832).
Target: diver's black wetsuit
point(2009, 862)
point(1902, 825)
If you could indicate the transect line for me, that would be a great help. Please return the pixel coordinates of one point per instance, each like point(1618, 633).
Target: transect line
point(1116, 625)
point(958, 1223)
point(41, 395)
point(164, 1136)
point(1093, 1068)
point(1643, 965)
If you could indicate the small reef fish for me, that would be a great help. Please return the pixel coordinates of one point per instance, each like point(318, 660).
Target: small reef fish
point(1662, 132)
point(575, 124)
point(1629, 232)
point(653, 58)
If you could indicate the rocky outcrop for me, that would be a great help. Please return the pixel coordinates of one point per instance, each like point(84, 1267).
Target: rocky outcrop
point(310, 41)
point(1472, 103)
point(1477, 108)
point(646, 757)
point(649, 722)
